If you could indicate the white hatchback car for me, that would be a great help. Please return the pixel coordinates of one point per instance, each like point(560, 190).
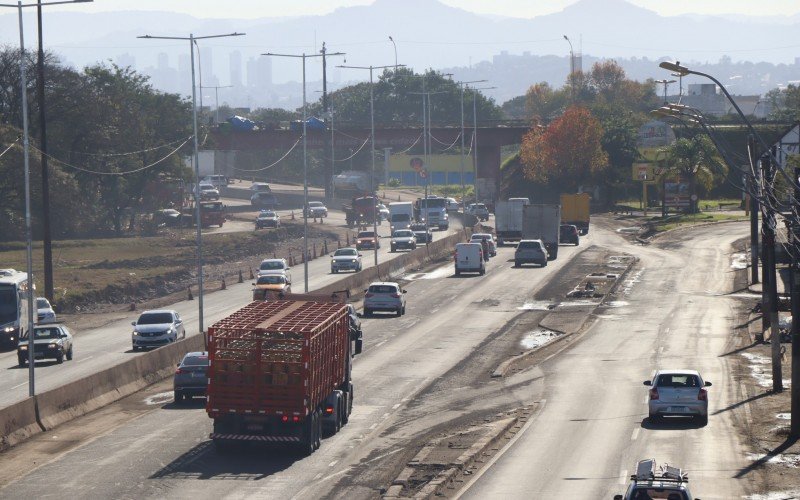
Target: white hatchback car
point(44, 311)
point(384, 296)
point(678, 393)
point(275, 266)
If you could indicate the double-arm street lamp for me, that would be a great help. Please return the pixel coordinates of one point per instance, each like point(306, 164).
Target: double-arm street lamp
point(192, 40)
point(304, 56)
point(461, 88)
point(216, 97)
point(372, 139)
point(23, 83)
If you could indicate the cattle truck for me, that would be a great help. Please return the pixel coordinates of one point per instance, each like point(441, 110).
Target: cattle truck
point(575, 210)
point(541, 222)
point(280, 371)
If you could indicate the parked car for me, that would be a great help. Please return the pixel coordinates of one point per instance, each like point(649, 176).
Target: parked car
point(317, 209)
point(384, 296)
point(49, 342)
point(488, 238)
point(530, 251)
point(156, 328)
point(275, 266)
point(403, 238)
point(479, 210)
point(266, 283)
point(568, 233)
point(267, 218)
point(208, 191)
point(667, 482)
point(191, 377)
point(469, 258)
point(367, 239)
point(679, 393)
point(217, 180)
point(383, 210)
point(44, 311)
point(264, 200)
point(422, 232)
point(345, 259)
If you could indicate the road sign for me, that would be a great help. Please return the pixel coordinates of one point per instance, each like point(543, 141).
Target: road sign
point(416, 164)
point(423, 173)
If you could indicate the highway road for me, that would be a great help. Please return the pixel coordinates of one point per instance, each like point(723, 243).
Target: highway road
point(100, 348)
point(424, 370)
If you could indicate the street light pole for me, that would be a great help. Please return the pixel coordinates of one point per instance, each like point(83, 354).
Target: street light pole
point(461, 87)
point(216, 97)
point(304, 56)
point(372, 138)
point(571, 67)
point(665, 82)
point(395, 53)
point(196, 161)
point(27, 174)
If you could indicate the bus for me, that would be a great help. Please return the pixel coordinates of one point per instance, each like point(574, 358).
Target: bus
point(13, 306)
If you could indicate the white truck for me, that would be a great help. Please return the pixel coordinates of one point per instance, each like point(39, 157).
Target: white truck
point(401, 215)
point(433, 212)
point(508, 219)
point(542, 222)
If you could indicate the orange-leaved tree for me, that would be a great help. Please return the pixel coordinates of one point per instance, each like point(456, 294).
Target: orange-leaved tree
point(568, 153)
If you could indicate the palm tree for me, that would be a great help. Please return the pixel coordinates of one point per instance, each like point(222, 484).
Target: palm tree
point(697, 161)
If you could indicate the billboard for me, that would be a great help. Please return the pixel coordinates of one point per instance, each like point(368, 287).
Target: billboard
point(676, 194)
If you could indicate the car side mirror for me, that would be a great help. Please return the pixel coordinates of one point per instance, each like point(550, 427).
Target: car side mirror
point(405, 291)
point(617, 497)
point(252, 284)
point(133, 323)
point(178, 365)
point(359, 345)
point(365, 290)
point(360, 255)
point(648, 382)
point(708, 384)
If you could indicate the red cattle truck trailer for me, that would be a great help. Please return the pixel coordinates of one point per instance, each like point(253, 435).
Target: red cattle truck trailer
point(280, 371)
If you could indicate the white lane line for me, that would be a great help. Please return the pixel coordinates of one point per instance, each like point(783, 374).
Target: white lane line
point(84, 359)
point(396, 406)
point(385, 416)
point(20, 385)
point(624, 479)
point(333, 463)
point(372, 427)
point(666, 330)
point(635, 433)
point(379, 344)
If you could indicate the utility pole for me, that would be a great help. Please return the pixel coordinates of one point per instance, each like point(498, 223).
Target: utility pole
point(754, 209)
point(770, 307)
point(47, 241)
point(795, 297)
point(328, 168)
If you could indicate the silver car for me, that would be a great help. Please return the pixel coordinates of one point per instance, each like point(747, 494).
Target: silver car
point(403, 238)
point(44, 311)
point(530, 251)
point(678, 393)
point(384, 296)
point(191, 377)
point(156, 328)
point(345, 259)
point(275, 266)
point(49, 342)
point(489, 238)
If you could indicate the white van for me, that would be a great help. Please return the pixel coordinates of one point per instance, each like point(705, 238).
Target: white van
point(469, 258)
point(216, 180)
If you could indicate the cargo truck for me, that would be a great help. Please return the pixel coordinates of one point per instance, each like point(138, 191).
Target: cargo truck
point(401, 215)
point(280, 372)
point(575, 211)
point(508, 219)
point(541, 222)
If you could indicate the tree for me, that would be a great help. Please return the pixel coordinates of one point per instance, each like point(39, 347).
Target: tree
point(697, 161)
point(785, 103)
point(568, 152)
point(543, 103)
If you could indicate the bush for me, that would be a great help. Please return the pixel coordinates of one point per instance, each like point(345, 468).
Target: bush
point(393, 183)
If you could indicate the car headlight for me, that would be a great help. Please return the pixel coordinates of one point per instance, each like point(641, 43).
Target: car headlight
point(354, 261)
point(23, 348)
point(135, 333)
point(8, 329)
point(52, 345)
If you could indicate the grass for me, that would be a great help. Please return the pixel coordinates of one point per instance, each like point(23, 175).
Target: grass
point(447, 190)
point(659, 225)
point(703, 205)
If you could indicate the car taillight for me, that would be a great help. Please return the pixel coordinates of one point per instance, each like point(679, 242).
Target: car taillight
point(702, 395)
point(653, 393)
point(329, 410)
point(368, 295)
point(180, 371)
point(396, 295)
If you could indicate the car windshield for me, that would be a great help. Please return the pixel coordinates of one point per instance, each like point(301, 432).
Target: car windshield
point(382, 289)
point(207, 187)
point(481, 237)
point(154, 319)
point(479, 206)
point(349, 252)
point(195, 361)
point(648, 493)
point(42, 303)
point(316, 204)
point(271, 265)
point(677, 380)
point(366, 234)
point(400, 217)
point(271, 279)
point(529, 244)
point(404, 233)
point(8, 304)
point(266, 215)
point(45, 333)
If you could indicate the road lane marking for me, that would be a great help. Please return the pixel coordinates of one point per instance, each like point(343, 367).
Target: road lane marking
point(635, 433)
point(385, 416)
point(333, 463)
point(84, 359)
point(396, 406)
point(20, 385)
point(624, 479)
point(372, 427)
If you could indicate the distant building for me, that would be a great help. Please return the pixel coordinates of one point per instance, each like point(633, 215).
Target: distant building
point(235, 60)
point(706, 98)
point(126, 61)
point(259, 72)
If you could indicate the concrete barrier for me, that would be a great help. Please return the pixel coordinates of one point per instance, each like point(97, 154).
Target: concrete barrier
point(18, 422)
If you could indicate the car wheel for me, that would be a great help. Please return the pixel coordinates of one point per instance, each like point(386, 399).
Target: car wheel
point(654, 418)
point(135, 349)
point(483, 271)
point(333, 271)
point(399, 312)
point(517, 263)
point(22, 361)
point(392, 249)
point(544, 263)
point(703, 420)
point(367, 312)
point(458, 273)
point(60, 358)
point(69, 354)
point(404, 310)
point(178, 397)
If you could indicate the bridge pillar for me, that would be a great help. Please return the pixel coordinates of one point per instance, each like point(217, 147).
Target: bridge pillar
point(488, 171)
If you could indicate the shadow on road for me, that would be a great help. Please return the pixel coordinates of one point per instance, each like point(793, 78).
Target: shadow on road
point(671, 424)
point(743, 402)
point(766, 458)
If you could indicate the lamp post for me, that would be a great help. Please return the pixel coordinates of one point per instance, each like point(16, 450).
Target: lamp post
point(664, 82)
point(27, 173)
point(372, 139)
point(461, 88)
point(192, 42)
point(304, 56)
point(216, 97)
point(395, 53)
point(571, 66)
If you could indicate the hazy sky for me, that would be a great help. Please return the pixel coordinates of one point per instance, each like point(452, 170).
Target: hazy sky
point(514, 8)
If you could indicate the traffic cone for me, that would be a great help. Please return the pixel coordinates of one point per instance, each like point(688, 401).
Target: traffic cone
point(347, 244)
point(224, 286)
point(325, 248)
point(133, 306)
point(274, 255)
point(292, 214)
point(241, 278)
point(314, 255)
point(252, 277)
point(190, 297)
point(338, 243)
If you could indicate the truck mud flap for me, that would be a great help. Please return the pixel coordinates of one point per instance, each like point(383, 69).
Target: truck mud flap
point(246, 437)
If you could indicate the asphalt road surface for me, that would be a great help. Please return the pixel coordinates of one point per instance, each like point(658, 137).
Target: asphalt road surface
point(589, 426)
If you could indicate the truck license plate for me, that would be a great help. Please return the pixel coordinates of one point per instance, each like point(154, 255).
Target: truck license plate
point(255, 427)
